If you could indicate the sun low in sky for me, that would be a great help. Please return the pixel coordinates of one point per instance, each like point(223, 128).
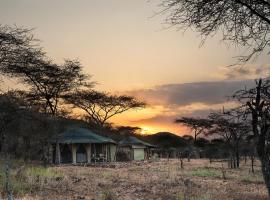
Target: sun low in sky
point(129, 49)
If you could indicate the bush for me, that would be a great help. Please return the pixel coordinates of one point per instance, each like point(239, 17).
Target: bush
point(122, 156)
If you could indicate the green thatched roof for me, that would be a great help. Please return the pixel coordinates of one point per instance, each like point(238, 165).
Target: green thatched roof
point(81, 135)
point(134, 141)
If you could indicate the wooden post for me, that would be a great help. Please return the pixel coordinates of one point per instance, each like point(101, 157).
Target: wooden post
point(106, 151)
point(103, 154)
point(95, 153)
point(88, 152)
point(74, 153)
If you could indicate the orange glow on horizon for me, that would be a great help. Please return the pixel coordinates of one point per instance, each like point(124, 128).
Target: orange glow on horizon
point(148, 130)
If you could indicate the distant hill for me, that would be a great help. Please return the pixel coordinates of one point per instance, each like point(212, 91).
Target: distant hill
point(165, 139)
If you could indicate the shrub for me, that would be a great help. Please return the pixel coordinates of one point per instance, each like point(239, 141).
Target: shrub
point(122, 156)
point(109, 194)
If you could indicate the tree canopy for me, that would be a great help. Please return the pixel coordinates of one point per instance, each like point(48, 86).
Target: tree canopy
point(242, 22)
point(101, 106)
point(197, 125)
point(21, 57)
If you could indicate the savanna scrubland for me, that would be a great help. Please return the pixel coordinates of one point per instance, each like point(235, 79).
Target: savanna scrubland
point(157, 179)
point(48, 88)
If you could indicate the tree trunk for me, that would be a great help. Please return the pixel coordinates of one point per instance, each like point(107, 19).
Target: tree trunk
point(7, 180)
point(1, 145)
point(231, 161)
point(237, 157)
point(266, 172)
point(182, 164)
point(45, 153)
point(27, 153)
point(252, 164)
point(234, 161)
point(264, 158)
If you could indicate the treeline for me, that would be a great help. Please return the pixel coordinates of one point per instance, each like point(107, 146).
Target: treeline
point(186, 146)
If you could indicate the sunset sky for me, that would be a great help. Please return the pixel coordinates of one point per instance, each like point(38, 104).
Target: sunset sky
point(130, 50)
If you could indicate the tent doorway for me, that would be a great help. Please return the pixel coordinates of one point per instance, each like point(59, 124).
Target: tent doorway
point(66, 155)
point(81, 155)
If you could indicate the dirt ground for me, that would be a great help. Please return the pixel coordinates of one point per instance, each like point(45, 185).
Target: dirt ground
point(159, 180)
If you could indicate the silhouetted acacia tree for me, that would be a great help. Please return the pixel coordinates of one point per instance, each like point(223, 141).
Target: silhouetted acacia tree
point(242, 22)
point(256, 103)
point(47, 81)
point(197, 125)
point(128, 130)
point(232, 129)
point(22, 58)
point(13, 40)
point(100, 106)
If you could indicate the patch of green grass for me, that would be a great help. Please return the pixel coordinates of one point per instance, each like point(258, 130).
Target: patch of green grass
point(205, 172)
point(183, 196)
point(42, 172)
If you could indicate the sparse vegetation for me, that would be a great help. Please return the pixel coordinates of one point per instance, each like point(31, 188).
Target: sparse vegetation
point(29, 179)
point(199, 180)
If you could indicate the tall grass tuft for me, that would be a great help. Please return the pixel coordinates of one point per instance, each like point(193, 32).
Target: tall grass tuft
point(108, 194)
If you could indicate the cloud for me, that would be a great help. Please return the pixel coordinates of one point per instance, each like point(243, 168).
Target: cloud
point(168, 115)
point(246, 72)
point(172, 95)
point(188, 99)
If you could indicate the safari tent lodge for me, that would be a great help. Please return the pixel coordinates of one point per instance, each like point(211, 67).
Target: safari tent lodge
point(81, 145)
point(135, 149)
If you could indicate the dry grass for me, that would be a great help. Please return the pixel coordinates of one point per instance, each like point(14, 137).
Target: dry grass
point(199, 180)
point(28, 179)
